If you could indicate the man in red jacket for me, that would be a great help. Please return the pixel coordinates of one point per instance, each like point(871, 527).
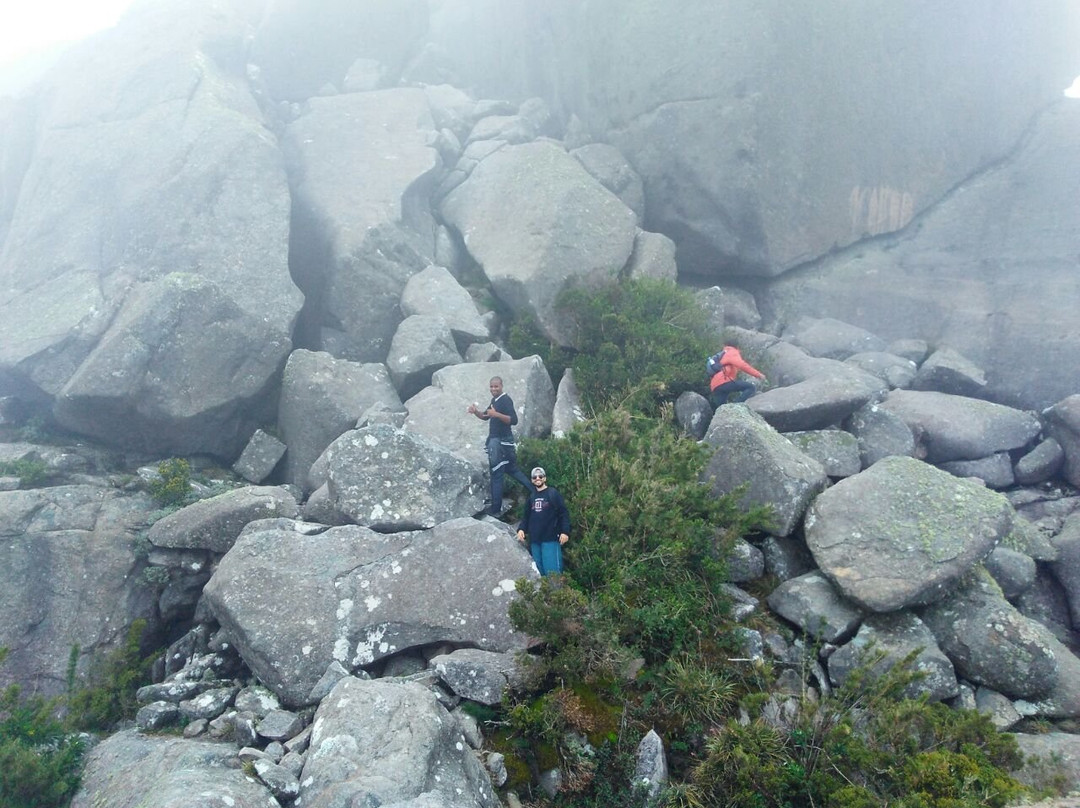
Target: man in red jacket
point(725, 387)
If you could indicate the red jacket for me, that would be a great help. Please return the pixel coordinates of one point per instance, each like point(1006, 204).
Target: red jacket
point(730, 366)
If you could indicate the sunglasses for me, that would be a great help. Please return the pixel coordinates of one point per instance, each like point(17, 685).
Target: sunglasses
point(539, 476)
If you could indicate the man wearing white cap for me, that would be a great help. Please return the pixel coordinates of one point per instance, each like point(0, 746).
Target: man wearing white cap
point(545, 524)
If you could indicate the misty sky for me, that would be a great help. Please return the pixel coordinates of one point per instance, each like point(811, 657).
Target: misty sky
point(30, 26)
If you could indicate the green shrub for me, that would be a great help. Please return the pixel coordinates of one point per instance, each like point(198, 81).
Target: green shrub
point(40, 761)
point(639, 343)
point(108, 693)
point(30, 471)
point(173, 484)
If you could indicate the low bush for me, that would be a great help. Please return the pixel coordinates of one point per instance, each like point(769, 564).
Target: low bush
point(173, 484)
point(30, 471)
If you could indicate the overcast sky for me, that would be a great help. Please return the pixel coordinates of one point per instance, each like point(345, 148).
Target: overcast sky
point(30, 25)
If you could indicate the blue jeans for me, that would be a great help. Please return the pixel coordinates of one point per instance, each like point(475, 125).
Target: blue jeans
point(731, 393)
point(502, 457)
point(547, 555)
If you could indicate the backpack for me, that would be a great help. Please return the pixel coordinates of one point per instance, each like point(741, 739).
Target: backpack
point(714, 363)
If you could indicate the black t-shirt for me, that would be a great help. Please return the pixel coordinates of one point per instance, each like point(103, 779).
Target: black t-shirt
point(496, 428)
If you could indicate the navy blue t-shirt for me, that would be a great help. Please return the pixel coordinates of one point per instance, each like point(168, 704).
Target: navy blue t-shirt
point(496, 428)
point(545, 516)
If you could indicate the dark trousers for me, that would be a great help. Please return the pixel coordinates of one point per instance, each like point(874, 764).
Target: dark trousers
point(502, 457)
point(731, 393)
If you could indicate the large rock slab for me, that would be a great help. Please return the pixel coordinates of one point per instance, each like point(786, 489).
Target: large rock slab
point(362, 168)
point(1002, 239)
point(213, 524)
point(880, 433)
point(953, 427)
point(390, 743)
point(438, 412)
point(69, 574)
point(751, 453)
point(534, 220)
point(813, 604)
point(1067, 566)
point(322, 397)
point(992, 644)
point(422, 344)
point(391, 480)
point(815, 403)
point(131, 770)
point(746, 197)
point(1063, 424)
point(902, 532)
point(830, 338)
point(294, 601)
point(161, 318)
point(434, 291)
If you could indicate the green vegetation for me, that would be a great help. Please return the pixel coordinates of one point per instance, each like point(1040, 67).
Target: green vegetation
point(638, 633)
point(41, 752)
point(173, 485)
point(31, 471)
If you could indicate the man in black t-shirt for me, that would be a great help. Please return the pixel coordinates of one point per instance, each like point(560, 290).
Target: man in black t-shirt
point(546, 524)
point(501, 451)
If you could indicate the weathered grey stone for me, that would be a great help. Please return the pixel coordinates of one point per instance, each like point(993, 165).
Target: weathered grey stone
point(156, 715)
point(160, 320)
point(129, 770)
point(320, 508)
point(208, 704)
point(256, 699)
point(1063, 424)
point(533, 219)
point(322, 397)
point(365, 75)
point(895, 371)
point(653, 257)
point(436, 292)
point(836, 451)
point(404, 665)
point(1013, 571)
point(813, 604)
point(1047, 756)
point(568, 409)
point(1046, 602)
point(386, 743)
point(335, 672)
point(902, 533)
point(389, 480)
point(1064, 700)
point(946, 371)
point(953, 427)
point(1040, 464)
point(279, 725)
point(832, 339)
point(775, 473)
point(505, 128)
point(363, 166)
point(438, 412)
point(213, 524)
point(946, 280)
point(486, 352)
point(880, 433)
point(69, 573)
point(910, 348)
point(421, 345)
point(482, 676)
point(496, 766)
point(816, 403)
point(693, 412)
point(282, 783)
point(172, 691)
point(786, 557)
point(651, 770)
point(608, 167)
point(998, 706)
point(990, 643)
point(996, 470)
point(897, 635)
point(295, 601)
point(745, 562)
point(260, 457)
point(1067, 566)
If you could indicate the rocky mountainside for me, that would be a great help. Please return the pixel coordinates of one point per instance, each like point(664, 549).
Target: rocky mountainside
point(290, 239)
